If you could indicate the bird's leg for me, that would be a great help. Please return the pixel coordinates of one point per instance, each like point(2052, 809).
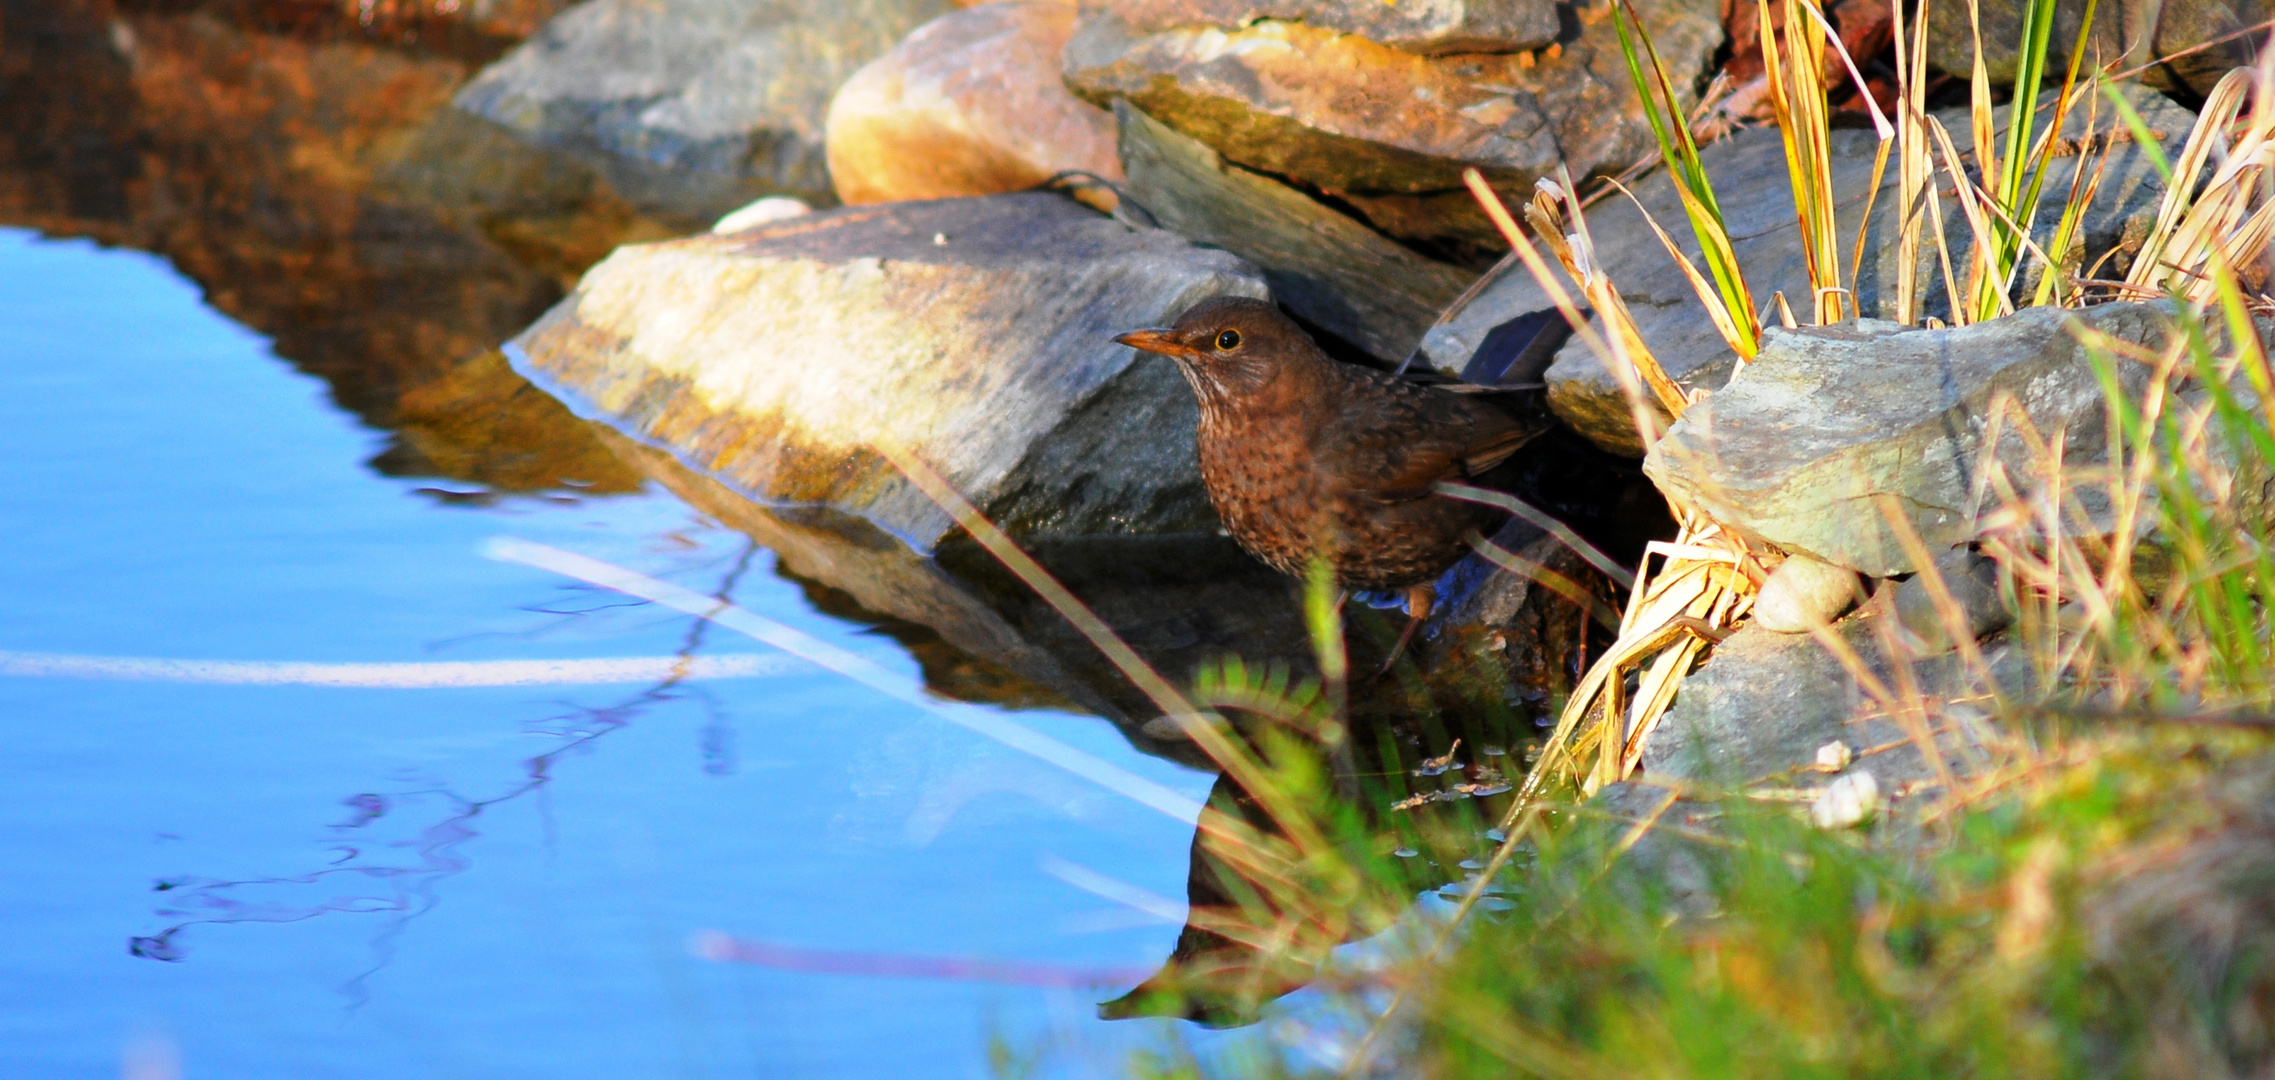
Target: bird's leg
point(1418, 601)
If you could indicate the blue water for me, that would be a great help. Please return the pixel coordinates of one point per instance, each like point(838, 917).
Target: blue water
point(468, 882)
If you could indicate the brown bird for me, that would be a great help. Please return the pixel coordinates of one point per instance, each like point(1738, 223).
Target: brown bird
point(1304, 456)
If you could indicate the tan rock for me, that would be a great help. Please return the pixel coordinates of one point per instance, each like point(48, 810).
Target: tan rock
point(1803, 594)
point(969, 104)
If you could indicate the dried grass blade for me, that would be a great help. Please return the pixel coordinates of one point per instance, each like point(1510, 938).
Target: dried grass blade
point(1579, 545)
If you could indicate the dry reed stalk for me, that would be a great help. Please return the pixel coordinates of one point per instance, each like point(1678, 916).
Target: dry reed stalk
point(1915, 172)
point(1797, 99)
point(1678, 152)
point(2229, 218)
point(1699, 590)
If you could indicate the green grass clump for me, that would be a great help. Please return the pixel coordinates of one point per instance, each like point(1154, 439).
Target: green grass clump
point(2064, 931)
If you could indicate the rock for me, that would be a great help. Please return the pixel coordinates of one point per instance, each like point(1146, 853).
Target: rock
point(1420, 26)
point(1972, 583)
point(760, 212)
point(1803, 594)
point(977, 332)
point(1763, 704)
point(1766, 237)
point(1329, 270)
point(693, 107)
point(970, 104)
point(1360, 120)
point(2128, 35)
point(1847, 802)
point(1828, 422)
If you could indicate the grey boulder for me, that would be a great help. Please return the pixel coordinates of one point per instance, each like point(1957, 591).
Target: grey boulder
point(1971, 604)
point(976, 333)
point(693, 107)
point(1830, 424)
point(1764, 703)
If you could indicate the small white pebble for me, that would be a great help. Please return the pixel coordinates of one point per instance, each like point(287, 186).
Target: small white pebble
point(1834, 756)
point(940, 239)
point(1846, 802)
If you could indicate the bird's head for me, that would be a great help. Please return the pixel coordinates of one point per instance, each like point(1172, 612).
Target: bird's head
point(1228, 343)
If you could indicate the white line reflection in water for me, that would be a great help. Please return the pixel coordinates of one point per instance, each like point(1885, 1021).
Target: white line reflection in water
point(607, 671)
point(853, 666)
point(1145, 901)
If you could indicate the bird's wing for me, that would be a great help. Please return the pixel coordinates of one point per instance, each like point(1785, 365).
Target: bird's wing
point(1496, 448)
point(1405, 438)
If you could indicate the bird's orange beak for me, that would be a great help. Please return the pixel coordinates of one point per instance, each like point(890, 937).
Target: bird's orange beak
point(1154, 340)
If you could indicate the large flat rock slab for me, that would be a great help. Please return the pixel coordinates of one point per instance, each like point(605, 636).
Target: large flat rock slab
point(1827, 422)
point(693, 107)
point(1749, 175)
point(975, 332)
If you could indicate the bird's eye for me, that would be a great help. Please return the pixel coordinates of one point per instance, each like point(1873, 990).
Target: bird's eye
point(1230, 339)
